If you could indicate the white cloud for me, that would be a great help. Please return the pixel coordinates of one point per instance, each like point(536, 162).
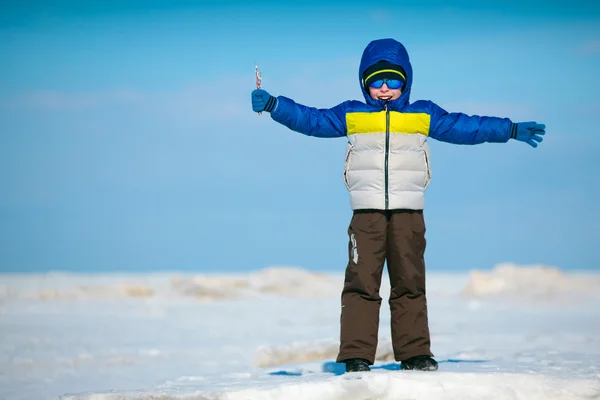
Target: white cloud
point(57, 100)
point(379, 15)
point(315, 84)
point(193, 102)
point(591, 110)
point(318, 84)
point(589, 47)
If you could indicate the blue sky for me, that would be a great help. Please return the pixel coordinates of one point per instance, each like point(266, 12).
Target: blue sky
point(127, 140)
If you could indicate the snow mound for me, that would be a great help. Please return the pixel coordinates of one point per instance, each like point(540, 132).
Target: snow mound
point(273, 281)
point(276, 281)
point(385, 385)
point(534, 282)
point(210, 288)
point(54, 286)
point(296, 282)
point(302, 352)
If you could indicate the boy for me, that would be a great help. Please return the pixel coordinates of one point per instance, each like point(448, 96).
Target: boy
point(386, 172)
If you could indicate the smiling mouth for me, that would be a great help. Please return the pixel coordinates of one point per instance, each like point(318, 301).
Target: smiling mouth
point(384, 97)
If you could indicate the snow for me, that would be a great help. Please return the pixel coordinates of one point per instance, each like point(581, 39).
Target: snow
point(535, 282)
point(207, 287)
point(514, 332)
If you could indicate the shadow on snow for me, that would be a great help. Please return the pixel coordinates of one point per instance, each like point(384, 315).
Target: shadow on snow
point(340, 368)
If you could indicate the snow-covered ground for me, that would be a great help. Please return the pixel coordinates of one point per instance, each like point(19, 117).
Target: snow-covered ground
point(511, 333)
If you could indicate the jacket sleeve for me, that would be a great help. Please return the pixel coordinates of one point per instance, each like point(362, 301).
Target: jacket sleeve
point(460, 128)
point(311, 121)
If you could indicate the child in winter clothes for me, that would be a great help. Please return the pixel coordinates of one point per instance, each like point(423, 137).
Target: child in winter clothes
point(386, 172)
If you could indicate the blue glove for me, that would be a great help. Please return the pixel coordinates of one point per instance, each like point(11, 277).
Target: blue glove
point(263, 101)
point(528, 132)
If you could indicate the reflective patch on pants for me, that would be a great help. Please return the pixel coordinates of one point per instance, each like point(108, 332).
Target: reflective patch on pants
point(354, 249)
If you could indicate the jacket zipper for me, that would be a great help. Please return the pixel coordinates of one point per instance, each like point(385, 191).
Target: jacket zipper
point(427, 173)
point(346, 166)
point(387, 153)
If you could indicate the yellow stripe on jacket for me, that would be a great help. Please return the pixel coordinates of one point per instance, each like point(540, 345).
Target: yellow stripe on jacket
point(374, 122)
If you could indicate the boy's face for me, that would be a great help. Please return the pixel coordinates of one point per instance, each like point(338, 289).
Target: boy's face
point(384, 93)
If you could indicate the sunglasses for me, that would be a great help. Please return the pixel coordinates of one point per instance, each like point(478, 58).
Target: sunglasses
point(391, 83)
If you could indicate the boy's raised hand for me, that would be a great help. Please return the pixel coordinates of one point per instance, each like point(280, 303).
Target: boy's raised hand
point(529, 132)
point(263, 101)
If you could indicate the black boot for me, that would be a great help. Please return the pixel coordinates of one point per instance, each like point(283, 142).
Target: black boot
point(420, 363)
point(357, 365)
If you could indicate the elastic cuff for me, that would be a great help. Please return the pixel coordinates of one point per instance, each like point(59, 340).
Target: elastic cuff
point(405, 356)
point(341, 358)
point(271, 104)
point(513, 130)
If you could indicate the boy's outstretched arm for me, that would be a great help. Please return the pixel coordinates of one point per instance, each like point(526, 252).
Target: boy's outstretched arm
point(324, 123)
point(460, 128)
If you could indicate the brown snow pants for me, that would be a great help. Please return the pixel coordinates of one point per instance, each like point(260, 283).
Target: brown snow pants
point(397, 236)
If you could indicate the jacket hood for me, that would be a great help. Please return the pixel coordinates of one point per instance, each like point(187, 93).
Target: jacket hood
point(391, 51)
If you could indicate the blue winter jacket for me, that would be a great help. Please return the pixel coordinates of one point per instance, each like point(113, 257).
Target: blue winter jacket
point(387, 161)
